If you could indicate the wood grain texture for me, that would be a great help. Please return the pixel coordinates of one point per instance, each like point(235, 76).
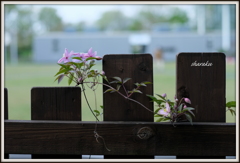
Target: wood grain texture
point(73, 137)
point(55, 103)
point(204, 85)
point(138, 67)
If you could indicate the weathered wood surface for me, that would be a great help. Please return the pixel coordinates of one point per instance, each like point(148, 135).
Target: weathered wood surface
point(56, 103)
point(138, 67)
point(204, 85)
point(76, 138)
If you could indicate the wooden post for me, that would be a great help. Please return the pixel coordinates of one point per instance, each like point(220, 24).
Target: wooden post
point(56, 103)
point(139, 68)
point(6, 156)
point(202, 78)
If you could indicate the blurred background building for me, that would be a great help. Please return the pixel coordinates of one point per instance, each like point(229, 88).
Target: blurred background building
point(40, 33)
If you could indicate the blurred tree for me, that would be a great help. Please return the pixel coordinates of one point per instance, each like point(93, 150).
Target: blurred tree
point(50, 20)
point(178, 16)
point(112, 20)
point(18, 23)
point(80, 26)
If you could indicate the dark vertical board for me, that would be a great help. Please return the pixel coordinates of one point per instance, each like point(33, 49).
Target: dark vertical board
point(204, 85)
point(6, 156)
point(56, 103)
point(5, 103)
point(138, 67)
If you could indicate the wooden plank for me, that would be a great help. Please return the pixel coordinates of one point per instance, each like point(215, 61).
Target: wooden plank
point(139, 68)
point(56, 103)
point(75, 137)
point(204, 85)
point(6, 156)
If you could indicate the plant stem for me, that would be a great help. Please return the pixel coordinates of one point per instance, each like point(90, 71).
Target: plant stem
point(88, 102)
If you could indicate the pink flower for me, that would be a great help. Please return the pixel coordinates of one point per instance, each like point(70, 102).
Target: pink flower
point(81, 55)
point(103, 73)
point(184, 106)
point(90, 53)
point(164, 95)
point(66, 56)
point(187, 100)
point(165, 111)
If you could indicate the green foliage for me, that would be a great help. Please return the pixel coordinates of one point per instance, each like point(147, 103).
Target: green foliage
point(50, 20)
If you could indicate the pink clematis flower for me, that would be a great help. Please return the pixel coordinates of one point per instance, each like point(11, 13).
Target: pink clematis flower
point(81, 55)
point(90, 53)
point(66, 56)
point(165, 111)
point(187, 100)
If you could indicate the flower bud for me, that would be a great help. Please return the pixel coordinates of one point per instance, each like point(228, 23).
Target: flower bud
point(164, 95)
point(102, 73)
point(187, 100)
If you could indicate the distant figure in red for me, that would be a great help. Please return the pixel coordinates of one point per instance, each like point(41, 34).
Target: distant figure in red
point(158, 59)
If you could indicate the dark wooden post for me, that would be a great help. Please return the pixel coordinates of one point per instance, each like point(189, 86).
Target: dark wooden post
point(56, 103)
point(202, 78)
point(139, 68)
point(6, 156)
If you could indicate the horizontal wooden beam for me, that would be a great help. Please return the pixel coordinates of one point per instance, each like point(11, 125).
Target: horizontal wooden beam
point(122, 138)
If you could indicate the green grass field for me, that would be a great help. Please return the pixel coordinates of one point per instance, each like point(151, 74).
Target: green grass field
point(21, 78)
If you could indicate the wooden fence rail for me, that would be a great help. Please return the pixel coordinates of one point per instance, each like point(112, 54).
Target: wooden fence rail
point(128, 130)
point(122, 138)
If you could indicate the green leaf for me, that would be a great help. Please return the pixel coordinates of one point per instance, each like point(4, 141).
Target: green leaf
point(161, 97)
point(180, 108)
point(118, 79)
point(110, 90)
point(189, 118)
point(59, 78)
point(191, 112)
point(101, 106)
point(146, 82)
point(157, 110)
point(97, 112)
point(159, 119)
point(231, 104)
point(105, 78)
point(152, 97)
point(125, 80)
point(135, 91)
point(187, 109)
point(64, 66)
point(118, 87)
point(70, 79)
point(78, 58)
point(61, 71)
point(89, 58)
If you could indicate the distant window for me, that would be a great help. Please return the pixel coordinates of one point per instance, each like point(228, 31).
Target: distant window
point(55, 45)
